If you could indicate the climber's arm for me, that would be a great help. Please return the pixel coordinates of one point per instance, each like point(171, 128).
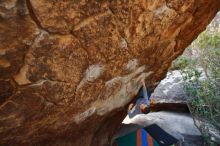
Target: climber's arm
point(144, 90)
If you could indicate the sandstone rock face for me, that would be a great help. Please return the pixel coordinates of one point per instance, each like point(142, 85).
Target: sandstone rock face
point(68, 68)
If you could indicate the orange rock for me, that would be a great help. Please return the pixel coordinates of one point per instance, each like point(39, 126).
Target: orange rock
point(73, 66)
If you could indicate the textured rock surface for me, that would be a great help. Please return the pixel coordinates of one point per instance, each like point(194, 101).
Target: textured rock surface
point(69, 68)
point(179, 125)
point(170, 89)
point(169, 94)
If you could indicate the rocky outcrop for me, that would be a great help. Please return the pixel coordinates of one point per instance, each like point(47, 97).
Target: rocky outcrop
point(179, 125)
point(170, 94)
point(69, 68)
point(170, 89)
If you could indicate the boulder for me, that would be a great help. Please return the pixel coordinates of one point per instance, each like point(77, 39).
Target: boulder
point(179, 125)
point(170, 94)
point(69, 68)
point(170, 89)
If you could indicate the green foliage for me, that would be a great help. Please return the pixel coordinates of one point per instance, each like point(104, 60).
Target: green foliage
point(204, 94)
point(180, 63)
point(184, 61)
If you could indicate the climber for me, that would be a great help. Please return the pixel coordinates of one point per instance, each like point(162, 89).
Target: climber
point(142, 104)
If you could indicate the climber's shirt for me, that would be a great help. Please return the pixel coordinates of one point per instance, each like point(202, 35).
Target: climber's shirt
point(143, 98)
point(136, 109)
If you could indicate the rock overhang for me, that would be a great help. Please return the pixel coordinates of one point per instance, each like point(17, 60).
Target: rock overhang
point(73, 66)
